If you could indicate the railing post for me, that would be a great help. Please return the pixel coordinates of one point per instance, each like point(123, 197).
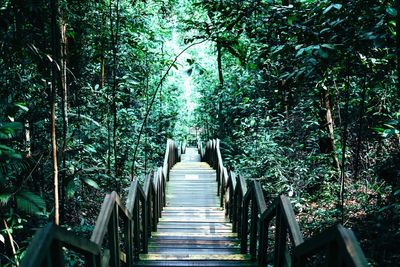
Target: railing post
point(253, 229)
point(332, 257)
point(92, 260)
point(136, 228)
point(128, 241)
point(239, 212)
point(163, 197)
point(234, 210)
point(262, 243)
point(244, 226)
point(222, 178)
point(145, 222)
point(57, 255)
point(156, 205)
point(280, 238)
point(114, 238)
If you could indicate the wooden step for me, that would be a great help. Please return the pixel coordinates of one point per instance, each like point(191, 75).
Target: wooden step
point(193, 229)
point(185, 263)
point(189, 235)
point(193, 250)
point(201, 257)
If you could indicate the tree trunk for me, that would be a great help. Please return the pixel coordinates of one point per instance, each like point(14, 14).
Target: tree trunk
point(54, 30)
point(114, 40)
point(221, 86)
point(102, 57)
point(64, 89)
point(398, 45)
point(360, 129)
point(344, 147)
point(328, 145)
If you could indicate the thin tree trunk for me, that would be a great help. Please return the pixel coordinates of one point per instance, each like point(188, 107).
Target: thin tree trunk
point(360, 128)
point(28, 143)
point(64, 89)
point(102, 57)
point(54, 29)
point(221, 86)
point(344, 147)
point(398, 45)
point(11, 240)
point(152, 102)
point(114, 39)
point(328, 120)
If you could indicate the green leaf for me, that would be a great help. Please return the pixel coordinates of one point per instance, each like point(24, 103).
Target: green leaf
point(31, 203)
point(329, 8)
point(292, 19)
point(391, 11)
point(379, 130)
point(397, 192)
point(323, 54)
point(2, 239)
point(278, 48)
point(91, 183)
point(70, 189)
point(4, 198)
point(22, 106)
point(13, 125)
point(300, 52)
point(390, 132)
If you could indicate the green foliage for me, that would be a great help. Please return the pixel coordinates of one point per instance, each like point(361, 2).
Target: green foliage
point(286, 69)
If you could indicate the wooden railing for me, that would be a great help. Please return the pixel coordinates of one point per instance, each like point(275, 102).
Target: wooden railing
point(254, 220)
point(121, 232)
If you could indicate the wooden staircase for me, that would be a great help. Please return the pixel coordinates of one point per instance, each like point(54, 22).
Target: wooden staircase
point(193, 229)
point(176, 219)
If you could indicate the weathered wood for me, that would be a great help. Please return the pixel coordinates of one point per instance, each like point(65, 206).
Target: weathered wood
point(193, 226)
point(194, 230)
point(237, 202)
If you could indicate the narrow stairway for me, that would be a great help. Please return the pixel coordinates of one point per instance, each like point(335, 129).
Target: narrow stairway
point(193, 230)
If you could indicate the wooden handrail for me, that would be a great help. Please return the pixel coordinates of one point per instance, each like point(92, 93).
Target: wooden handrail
point(338, 239)
point(252, 218)
point(139, 217)
point(52, 237)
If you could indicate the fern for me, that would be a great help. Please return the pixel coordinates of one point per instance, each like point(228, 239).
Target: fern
point(8, 130)
point(30, 203)
point(4, 198)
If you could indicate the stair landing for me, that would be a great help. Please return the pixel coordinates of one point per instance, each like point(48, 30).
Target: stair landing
point(193, 229)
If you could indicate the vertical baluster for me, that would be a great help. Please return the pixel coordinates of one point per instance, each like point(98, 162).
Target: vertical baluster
point(156, 206)
point(57, 255)
point(128, 241)
point(136, 228)
point(234, 210)
point(333, 255)
point(280, 238)
point(222, 182)
point(92, 260)
point(253, 229)
point(114, 238)
point(239, 212)
point(163, 192)
point(262, 243)
point(150, 209)
point(244, 225)
point(145, 220)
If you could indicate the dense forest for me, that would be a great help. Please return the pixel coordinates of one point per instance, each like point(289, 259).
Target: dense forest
point(304, 95)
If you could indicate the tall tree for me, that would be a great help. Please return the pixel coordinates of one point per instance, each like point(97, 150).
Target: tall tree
point(54, 74)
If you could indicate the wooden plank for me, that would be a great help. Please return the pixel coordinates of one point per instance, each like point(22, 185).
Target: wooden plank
point(154, 256)
point(185, 263)
point(193, 227)
point(189, 235)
